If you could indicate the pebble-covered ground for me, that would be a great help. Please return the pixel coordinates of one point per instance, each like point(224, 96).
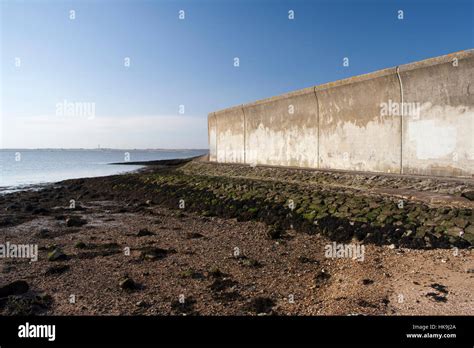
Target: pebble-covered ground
point(206, 239)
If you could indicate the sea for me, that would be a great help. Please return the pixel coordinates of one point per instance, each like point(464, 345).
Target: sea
point(29, 169)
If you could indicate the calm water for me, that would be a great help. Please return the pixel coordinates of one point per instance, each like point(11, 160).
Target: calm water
point(24, 168)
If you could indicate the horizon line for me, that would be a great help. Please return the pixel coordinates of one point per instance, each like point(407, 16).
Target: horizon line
point(102, 148)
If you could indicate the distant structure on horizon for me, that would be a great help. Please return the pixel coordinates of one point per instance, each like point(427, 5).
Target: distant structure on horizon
point(416, 118)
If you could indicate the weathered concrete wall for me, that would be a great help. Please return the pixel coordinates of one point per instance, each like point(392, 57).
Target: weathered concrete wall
point(283, 131)
point(415, 119)
point(439, 138)
point(230, 137)
point(354, 135)
point(212, 134)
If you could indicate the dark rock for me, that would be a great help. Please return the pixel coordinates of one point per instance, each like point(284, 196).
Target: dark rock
point(221, 284)
point(248, 262)
point(75, 221)
point(322, 277)
point(142, 304)
point(79, 208)
point(43, 233)
point(216, 273)
point(440, 288)
point(80, 245)
point(17, 287)
point(469, 195)
point(154, 254)
point(259, 305)
point(194, 235)
point(304, 259)
point(274, 231)
point(27, 305)
point(28, 208)
point(38, 211)
point(365, 304)
point(6, 221)
point(128, 284)
point(437, 297)
point(144, 232)
point(192, 274)
point(55, 270)
point(13, 206)
point(367, 281)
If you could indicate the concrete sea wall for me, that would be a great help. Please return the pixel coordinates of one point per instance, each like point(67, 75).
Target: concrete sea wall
point(416, 118)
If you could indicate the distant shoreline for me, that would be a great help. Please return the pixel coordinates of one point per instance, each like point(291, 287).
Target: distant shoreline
point(24, 169)
point(166, 162)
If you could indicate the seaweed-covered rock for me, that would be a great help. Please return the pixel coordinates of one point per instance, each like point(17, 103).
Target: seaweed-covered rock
point(57, 255)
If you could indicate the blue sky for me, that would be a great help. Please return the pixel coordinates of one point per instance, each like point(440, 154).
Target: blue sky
point(190, 62)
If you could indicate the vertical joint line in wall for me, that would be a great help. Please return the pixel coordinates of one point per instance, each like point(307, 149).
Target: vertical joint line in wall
point(317, 111)
point(245, 135)
point(217, 138)
point(209, 120)
point(401, 119)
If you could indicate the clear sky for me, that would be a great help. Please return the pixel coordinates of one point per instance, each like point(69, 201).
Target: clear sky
point(182, 69)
